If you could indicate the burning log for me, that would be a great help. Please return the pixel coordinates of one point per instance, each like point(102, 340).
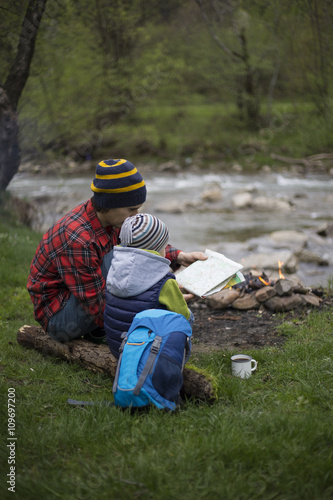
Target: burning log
point(98, 358)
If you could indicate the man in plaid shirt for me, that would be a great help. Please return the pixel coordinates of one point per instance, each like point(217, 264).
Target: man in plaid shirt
point(67, 275)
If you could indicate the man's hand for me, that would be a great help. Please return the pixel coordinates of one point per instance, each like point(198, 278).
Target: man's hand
point(185, 259)
point(187, 296)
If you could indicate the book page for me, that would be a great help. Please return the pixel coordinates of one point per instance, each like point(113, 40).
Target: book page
point(209, 276)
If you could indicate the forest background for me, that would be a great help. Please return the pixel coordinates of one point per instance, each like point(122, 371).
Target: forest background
point(190, 80)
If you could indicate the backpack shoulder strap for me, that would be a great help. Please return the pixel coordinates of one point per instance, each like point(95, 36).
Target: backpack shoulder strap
point(121, 348)
point(155, 347)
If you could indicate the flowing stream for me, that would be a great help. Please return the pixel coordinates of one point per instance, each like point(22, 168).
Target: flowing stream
point(217, 225)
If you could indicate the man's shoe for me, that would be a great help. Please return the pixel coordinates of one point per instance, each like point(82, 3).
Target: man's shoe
point(97, 336)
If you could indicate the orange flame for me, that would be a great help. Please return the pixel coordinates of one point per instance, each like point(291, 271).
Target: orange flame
point(263, 281)
point(280, 272)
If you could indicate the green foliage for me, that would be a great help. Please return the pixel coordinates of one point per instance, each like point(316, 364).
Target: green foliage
point(11, 17)
point(99, 67)
point(267, 437)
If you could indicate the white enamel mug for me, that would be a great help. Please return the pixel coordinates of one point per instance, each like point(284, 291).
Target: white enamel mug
point(243, 365)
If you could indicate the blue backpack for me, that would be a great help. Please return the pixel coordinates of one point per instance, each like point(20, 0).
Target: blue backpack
point(152, 358)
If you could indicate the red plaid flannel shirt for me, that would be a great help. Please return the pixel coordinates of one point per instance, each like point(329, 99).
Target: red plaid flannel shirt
point(68, 260)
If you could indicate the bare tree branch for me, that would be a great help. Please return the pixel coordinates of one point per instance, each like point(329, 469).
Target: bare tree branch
point(235, 55)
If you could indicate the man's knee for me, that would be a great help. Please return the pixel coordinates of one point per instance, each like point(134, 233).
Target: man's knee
point(71, 331)
point(72, 322)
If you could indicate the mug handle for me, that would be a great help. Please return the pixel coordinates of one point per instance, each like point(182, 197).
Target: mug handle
point(255, 365)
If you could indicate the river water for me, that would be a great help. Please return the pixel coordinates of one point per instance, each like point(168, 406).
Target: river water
point(218, 226)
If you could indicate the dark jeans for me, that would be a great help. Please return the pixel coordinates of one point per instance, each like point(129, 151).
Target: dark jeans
point(72, 321)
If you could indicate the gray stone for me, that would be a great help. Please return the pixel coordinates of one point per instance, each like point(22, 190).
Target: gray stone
point(281, 304)
point(171, 207)
point(311, 299)
point(265, 293)
point(312, 258)
point(266, 203)
point(284, 287)
point(212, 194)
point(242, 200)
point(289, 239)
point(248, 301)
point(169, 166)
point(325, 230)
point(223, 298)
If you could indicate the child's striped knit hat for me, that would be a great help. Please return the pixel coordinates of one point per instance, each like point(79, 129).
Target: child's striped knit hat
point(144, 231)
point(117, 183)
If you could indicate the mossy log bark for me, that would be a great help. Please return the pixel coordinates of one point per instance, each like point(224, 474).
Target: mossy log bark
point(98, 358)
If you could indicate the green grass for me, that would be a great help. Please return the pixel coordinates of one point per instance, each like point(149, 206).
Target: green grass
point(269, 437)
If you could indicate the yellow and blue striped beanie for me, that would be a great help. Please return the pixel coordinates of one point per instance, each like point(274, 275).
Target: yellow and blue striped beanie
point(144, 231)
point(118, 183)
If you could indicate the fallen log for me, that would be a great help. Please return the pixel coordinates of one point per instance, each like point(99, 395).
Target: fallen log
point(307, 161)
point(98, 358)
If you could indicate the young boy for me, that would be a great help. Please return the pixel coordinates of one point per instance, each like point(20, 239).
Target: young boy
point(139, 277)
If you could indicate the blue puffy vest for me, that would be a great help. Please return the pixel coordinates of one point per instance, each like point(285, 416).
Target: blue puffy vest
point(120, 311)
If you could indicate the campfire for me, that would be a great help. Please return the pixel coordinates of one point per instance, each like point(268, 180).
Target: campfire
point(259, 291)
point(256, 282)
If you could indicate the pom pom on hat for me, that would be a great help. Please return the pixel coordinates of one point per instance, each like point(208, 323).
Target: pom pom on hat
point(118, 183)
point(144, 231)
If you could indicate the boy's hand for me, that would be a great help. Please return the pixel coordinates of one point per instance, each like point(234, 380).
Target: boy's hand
point(185, 259)
point(187, 296)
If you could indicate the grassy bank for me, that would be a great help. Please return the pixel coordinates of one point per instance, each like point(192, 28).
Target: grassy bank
point(193, 132)
point(216, 132)
point(269, 437)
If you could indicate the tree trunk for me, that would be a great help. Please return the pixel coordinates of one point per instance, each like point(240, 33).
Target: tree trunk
point(251, 99)
point(247, 97)
point(98, 358)
point(9, 142)
point(11, 91)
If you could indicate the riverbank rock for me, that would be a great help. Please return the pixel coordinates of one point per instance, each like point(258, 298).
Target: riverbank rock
point(266, 203)
point(261, 203)
point(212, 194)
point(242, 200)
point(170, 166)
point(325, 230)
point(271, 260)
point(176, 207)
point(289, 238)
point(62, 167)
point(312, 258)
point(171, 207)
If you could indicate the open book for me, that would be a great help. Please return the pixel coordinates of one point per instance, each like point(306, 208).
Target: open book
point(206, 277)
